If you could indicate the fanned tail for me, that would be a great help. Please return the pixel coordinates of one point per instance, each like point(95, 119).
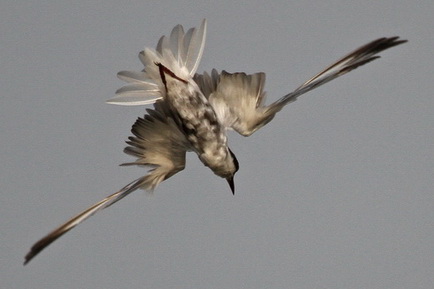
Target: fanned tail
point(181, 53)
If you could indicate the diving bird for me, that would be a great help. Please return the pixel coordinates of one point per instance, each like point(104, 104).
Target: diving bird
point(193, 112)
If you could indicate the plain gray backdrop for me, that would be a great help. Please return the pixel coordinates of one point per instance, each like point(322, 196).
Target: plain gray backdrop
point(336, 192)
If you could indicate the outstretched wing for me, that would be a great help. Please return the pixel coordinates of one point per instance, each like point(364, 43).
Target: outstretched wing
point(158, 143)
point(238, 98)
point(181, 53)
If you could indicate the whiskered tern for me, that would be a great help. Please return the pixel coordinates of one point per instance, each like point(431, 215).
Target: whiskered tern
point(192, 112)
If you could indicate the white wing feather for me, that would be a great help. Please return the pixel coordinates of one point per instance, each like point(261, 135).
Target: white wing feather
point(236, 98)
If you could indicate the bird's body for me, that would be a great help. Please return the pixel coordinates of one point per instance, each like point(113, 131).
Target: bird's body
point(192, 112)
point(198, 121)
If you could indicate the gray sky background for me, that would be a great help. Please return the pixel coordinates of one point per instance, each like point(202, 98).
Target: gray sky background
point(336, 192)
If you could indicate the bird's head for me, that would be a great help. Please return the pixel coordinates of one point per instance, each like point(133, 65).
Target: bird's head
point(223, 163)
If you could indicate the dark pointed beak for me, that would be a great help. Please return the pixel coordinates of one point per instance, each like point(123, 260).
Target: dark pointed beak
point(231, 184)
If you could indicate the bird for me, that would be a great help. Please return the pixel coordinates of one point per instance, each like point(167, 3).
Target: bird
point(193, 112)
